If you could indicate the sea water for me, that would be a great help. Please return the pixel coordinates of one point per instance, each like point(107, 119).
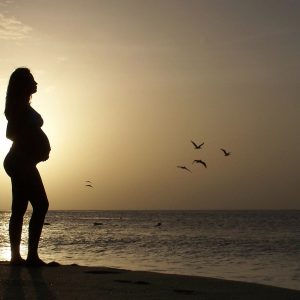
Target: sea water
point(253, 246)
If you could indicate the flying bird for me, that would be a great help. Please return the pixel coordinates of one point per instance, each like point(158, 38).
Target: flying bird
point(88, 183)
point(226, 153)
point(197, 146)
point(199, 161)
point(184, 168)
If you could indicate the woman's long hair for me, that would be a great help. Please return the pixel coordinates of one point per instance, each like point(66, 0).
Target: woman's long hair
point(18, 95)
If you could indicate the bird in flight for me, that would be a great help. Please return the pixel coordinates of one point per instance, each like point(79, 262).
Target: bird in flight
point(199, 161)
point(226, 153)
point(88, 183)
point(184, 168)
point(197, 146)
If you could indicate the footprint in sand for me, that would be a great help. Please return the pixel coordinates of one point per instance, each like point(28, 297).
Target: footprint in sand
point(134, 282)
point(185, 292)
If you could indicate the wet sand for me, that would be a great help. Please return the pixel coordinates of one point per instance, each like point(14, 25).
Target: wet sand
point(88, 283)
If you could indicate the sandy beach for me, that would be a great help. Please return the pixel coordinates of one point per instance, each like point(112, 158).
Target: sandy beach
point(79, 282)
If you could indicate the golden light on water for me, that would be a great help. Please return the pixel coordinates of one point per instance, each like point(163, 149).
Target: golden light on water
point(5, 247)
point(5, 254)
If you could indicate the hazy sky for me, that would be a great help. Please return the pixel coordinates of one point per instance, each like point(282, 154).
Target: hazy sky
point(125, 85)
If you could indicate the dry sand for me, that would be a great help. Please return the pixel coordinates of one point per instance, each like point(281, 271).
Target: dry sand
point(88, 283)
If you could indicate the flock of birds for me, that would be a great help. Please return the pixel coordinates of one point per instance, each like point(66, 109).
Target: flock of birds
point(89, 184)
point(200, 161)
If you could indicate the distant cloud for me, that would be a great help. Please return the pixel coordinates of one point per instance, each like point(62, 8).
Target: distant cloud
point(13, 29)
point(5, 3)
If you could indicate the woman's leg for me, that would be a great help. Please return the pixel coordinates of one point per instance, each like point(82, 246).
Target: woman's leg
point(19, 206)
point(40, 204)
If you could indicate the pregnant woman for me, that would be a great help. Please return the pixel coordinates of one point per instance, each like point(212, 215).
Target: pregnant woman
point(30, 146)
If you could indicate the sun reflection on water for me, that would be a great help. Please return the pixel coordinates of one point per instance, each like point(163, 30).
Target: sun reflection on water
point(4, 240)
point(5, 254)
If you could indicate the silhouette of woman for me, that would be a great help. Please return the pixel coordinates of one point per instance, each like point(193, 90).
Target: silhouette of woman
point(30, 146)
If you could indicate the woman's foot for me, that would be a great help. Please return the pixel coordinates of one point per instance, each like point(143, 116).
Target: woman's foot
point(18, 261)
point(53, 264)
point(35, 262)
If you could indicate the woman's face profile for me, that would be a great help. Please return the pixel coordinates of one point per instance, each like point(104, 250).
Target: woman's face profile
point(31, 85)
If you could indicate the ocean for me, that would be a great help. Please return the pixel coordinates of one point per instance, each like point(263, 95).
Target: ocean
point(252, 246)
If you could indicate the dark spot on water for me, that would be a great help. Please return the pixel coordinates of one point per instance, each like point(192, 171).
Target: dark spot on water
point(97, 223)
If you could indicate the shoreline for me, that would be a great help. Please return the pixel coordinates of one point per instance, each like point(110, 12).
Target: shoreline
point(83, 282)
